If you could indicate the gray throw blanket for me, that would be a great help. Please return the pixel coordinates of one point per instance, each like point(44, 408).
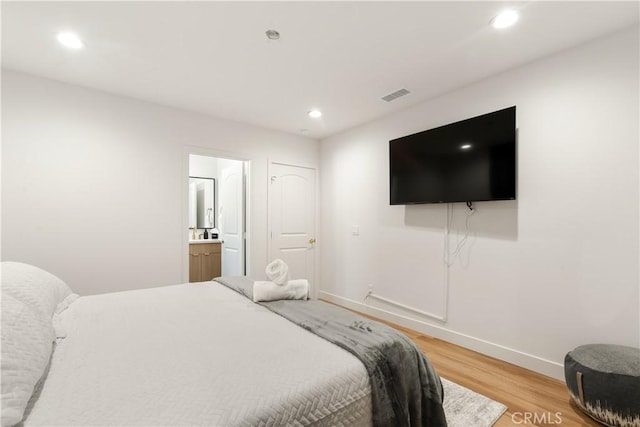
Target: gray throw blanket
point(405, 389)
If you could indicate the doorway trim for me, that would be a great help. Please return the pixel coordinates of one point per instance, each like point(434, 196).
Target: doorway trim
point(184, 188)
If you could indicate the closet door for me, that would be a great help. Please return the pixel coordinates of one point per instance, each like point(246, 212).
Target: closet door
point(292, 207)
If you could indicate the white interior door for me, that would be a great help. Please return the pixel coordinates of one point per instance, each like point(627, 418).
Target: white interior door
point(292, 219)
point(231, 211)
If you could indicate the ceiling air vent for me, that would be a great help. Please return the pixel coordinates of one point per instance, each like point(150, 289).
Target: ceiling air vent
point(395, 95)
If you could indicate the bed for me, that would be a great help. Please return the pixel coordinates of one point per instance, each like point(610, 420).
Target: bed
point(191, 354)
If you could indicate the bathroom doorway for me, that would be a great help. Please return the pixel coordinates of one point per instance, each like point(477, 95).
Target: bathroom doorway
point(217, 213)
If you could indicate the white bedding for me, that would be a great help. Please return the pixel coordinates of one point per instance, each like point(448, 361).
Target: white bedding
point(194, 354)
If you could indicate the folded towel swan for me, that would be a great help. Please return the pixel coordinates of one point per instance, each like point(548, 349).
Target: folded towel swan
point(279, 286)
point(278, 272)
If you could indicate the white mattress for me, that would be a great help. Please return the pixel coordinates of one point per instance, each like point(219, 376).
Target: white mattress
point(195, 354)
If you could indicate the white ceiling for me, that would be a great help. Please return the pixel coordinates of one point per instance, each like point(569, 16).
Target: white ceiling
point(341, 57)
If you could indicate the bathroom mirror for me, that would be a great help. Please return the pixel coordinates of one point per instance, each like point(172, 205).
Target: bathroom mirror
point(202, 202)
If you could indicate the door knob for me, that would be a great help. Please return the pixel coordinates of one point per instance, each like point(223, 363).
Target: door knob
point(312, 241)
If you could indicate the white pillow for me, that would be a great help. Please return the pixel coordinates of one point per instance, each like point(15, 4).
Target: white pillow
point(34, 287)
point(27, 343)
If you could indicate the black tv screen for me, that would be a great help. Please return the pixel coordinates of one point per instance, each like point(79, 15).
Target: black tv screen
point(470, 160)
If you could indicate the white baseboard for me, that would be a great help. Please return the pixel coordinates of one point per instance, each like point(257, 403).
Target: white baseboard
point(528, 361)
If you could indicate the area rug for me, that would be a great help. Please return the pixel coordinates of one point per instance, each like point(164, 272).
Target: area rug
point(466, 408)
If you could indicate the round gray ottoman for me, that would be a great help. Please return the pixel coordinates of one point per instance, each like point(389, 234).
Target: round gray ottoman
point(604, 381)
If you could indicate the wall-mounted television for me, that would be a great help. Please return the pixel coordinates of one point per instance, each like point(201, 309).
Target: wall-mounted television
point(466, 161)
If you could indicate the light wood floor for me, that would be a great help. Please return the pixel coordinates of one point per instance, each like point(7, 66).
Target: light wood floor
point(521, 390)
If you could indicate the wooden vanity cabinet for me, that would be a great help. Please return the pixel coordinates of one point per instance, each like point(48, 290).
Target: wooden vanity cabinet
point(204, 261)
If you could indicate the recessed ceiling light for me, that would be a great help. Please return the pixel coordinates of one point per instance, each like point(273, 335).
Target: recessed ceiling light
point(70, 40)
point(315, 114)
point(465, 146)
point(272, 34)
point(505, 19)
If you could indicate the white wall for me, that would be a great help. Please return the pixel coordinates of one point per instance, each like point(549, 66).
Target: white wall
point(94, 186)
point(555, 269)
point(203, 166)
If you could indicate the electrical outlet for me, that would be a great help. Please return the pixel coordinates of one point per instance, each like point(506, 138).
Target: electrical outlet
point(370, 289)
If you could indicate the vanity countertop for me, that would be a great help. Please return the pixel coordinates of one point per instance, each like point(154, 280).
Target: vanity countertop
point(197, 242)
